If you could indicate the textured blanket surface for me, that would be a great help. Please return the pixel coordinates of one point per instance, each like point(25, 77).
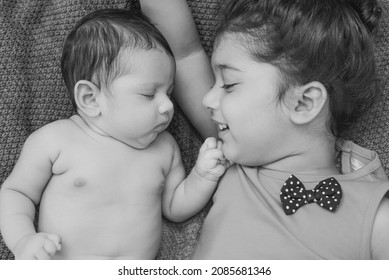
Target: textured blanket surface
point(32, 92)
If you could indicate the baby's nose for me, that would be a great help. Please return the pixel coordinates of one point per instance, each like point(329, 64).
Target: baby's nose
point(166, 106)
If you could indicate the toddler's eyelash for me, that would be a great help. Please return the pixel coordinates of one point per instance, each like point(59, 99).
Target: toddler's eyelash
point(228, 86)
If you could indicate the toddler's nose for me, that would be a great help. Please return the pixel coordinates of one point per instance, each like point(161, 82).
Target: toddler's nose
point(211, 99)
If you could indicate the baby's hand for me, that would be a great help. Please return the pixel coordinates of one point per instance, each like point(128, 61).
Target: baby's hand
point(211, 163)
point(40, 246)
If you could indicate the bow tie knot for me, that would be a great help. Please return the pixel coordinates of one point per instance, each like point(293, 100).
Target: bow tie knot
point(326, 194)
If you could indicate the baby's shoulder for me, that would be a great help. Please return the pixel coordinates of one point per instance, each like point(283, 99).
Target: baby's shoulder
point(53, 134)
point(165, 140)
point(55, 129)
point(48, 139)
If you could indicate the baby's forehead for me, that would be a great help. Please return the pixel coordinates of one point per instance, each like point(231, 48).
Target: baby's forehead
point(144, 64)
point(129, 54)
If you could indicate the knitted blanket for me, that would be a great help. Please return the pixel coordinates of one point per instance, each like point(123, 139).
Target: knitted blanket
point(32, 92)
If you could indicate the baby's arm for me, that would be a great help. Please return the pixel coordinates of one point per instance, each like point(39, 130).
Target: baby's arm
point(183, 199)
point(19, 195)
point(380, 234)
point(194, 76)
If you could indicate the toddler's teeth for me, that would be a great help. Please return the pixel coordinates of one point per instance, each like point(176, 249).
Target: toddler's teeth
point(222, 127)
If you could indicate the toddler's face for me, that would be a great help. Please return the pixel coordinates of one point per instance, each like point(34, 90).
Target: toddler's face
point(138, 106)
point(244, 105)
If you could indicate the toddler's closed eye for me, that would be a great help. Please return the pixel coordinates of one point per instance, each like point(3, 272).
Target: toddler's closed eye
point(228, 87)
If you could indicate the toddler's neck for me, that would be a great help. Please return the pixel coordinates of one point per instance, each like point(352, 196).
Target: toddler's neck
point(313, 156)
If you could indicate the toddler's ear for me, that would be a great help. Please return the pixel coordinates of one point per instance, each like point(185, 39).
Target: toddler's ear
point(86, 97)
point(307, 102)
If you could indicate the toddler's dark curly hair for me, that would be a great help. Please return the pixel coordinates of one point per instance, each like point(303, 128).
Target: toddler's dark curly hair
point(329, 41)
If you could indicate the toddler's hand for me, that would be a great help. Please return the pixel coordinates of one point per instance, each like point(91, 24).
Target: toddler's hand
point(211, 163)
point(40, 246)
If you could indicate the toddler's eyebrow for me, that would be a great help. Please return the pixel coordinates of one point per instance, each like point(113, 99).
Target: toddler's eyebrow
point(228, 67)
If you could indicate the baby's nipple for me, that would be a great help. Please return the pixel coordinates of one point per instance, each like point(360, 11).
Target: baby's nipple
point(79, 182)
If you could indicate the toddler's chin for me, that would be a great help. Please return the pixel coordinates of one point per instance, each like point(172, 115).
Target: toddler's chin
point(228, 155)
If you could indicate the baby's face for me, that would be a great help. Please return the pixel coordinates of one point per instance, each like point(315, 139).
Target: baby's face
point(138, 106)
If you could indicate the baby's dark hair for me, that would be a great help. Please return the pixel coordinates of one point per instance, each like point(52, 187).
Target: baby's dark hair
point(328, 41)
point(91, 50)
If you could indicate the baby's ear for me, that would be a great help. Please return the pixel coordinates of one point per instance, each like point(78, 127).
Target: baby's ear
point(307, 102)
point(86, 97)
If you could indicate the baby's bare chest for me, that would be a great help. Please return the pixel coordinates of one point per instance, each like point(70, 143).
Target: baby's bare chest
point(104, 170)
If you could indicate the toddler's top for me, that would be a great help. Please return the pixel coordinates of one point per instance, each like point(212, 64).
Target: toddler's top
point(247, 221)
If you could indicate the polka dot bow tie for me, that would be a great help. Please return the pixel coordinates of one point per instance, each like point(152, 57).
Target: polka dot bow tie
point(327, 194)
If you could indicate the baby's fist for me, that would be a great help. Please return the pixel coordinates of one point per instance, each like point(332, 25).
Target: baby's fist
point(40, 246)
point(211, 163)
